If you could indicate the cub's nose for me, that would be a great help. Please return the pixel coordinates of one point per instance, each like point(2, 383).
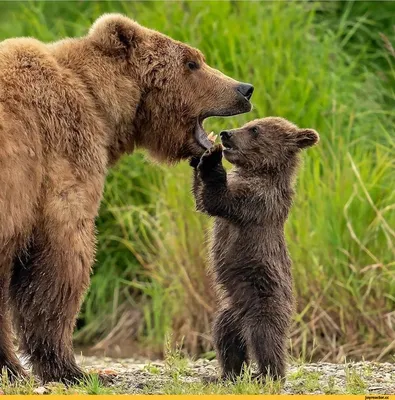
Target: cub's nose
point(246, 90)
point(225, 134)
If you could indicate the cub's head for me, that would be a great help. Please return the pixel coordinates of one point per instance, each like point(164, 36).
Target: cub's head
point(177, 89)
point(266, 143)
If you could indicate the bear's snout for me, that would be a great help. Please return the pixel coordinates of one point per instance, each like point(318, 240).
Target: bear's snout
point(246, 90)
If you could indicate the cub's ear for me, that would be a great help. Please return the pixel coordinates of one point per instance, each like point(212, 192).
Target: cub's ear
point(307, 138)
point(115, 34)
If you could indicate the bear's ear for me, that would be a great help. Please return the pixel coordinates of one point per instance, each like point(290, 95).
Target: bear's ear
point(115, 34)
point(306, 138)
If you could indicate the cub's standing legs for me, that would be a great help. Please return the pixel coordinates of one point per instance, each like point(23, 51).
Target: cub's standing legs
point(261, 334)
point(47, 287)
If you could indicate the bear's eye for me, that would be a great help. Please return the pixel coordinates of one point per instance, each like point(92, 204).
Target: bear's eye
point(254, 131)
point(192, 65)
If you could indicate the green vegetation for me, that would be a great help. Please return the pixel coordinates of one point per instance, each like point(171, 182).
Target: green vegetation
point(176, 375)
point(303, 381)
point(355, 383)
point(90, 385)
point(244, 385)
point(326, 65)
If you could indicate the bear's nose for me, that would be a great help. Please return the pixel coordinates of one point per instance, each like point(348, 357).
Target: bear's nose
point(246, 90)
point(225, 134)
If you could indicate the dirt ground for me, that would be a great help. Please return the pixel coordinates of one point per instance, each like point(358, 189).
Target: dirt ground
point(177, 375)
point(158, 377)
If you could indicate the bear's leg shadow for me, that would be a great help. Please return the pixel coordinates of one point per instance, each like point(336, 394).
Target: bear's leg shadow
point(229, 345)
point(47, 288)
point(267, 341)
point(8, 360)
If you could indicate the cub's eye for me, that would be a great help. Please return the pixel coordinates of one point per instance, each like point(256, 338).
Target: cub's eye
point(254, 131)
point(192, 65)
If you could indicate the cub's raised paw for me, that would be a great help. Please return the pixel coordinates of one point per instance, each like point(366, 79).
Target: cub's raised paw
point(194, 162)
point(215, 149)
point(211, 158)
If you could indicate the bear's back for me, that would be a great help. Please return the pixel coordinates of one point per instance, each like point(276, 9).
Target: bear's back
point(19, 54)
point(50, 102)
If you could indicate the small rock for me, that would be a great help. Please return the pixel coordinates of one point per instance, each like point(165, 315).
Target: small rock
point(40, 390)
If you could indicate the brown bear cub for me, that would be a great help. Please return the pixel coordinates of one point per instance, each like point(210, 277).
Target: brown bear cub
point(249, 255)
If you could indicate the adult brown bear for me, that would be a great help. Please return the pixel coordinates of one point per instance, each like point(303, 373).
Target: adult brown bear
point(69, 110)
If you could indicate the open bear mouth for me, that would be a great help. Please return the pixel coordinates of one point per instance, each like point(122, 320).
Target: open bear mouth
point(201, 135)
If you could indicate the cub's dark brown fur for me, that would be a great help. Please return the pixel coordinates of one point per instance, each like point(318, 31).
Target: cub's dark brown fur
point(68, 111)
point(249, 254)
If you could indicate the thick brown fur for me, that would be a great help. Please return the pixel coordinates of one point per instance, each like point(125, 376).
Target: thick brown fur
point(249, 255)
point(69, 110)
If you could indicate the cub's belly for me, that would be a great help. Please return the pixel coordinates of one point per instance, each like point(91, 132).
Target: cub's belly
point(225, 236)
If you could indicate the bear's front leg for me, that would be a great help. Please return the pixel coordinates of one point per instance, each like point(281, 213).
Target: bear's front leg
point(215, 196)
point(234, 201)
point(197, 184)
point(210, 167)
point(8, 360)
point(47, 288)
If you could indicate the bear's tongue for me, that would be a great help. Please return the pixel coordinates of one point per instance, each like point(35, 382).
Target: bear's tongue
point(201, 136)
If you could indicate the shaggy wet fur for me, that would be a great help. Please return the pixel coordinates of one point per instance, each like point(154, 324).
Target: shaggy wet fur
point(249, 255)
point(69, 110)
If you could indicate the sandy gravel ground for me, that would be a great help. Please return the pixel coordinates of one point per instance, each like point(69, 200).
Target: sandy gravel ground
point(152, 377)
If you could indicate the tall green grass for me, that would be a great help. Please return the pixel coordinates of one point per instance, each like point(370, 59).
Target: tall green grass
point(309, 64)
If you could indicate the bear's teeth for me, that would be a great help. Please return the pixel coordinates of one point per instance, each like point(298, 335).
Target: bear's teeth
point(212, 137)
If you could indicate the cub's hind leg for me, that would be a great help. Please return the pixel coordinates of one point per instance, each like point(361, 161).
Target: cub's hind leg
point(266, 336)
point(229, 344)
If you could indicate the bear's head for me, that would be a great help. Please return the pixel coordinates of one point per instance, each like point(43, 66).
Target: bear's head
point(267, 143)
point(176, 88)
